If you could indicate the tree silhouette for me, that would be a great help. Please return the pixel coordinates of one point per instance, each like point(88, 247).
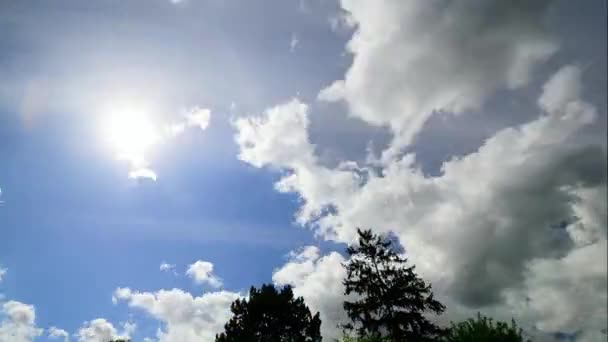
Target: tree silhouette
point(390, 298)
point(484, 329)
point(271, 316)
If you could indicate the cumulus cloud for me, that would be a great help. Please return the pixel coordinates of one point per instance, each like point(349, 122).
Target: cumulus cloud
point(261, 144)
point(185, 318)
point(279, 139)
point(202, 273)
point(99, 330)
point(2, 273)
point(413, 58)
point(56, 333)
point(318, 279)
point(528, 198)
point(18, 322)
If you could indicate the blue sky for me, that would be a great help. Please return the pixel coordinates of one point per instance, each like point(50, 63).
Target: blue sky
point(467, 130)
point(82, 217)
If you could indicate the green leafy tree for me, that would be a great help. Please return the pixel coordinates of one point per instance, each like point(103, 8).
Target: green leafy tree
point(391, 299)
point(484, 329)
point(270, 315)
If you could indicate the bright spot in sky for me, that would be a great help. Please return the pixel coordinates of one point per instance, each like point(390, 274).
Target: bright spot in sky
point(131, 134)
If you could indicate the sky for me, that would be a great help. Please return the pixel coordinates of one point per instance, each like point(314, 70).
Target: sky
point(159, 157)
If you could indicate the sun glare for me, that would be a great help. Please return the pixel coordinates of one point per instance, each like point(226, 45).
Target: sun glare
point(131, 133)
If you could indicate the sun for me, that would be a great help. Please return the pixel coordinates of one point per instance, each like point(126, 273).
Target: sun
point(131, 134)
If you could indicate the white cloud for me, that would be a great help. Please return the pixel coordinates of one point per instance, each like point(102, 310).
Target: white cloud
point(143, 173)
point(261, 144)
point(195, 117)
point(166, 267)
point(411, 58)
point(202, 273)
point(120, 293)
point(564, 87)
point(18, 322)
point(198, 117)
point(319, 281)
point(128, 328)
point(98, 330)
point(56, 333)
point(528, 196)
point(280, 139)
point(185, 318)
point(293, 43)
point(2, 273)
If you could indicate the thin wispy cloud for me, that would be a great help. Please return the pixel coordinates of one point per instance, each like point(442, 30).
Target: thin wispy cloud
point(293, 43)
point(166, 267)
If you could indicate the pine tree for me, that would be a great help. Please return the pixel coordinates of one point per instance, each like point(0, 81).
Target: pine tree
point(271, 316)
point(390, 298)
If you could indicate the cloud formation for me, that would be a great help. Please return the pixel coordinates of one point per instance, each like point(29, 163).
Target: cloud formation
point(318, 279)
point(569, 294)
point(56, 333)
point(192, 118)
point(18, 322)
point(202, 273)
point(414, 58)
point(2, 273)
point(97, 330)
point(185, 318)
point(166, 267)
point(101, 330)
point(528, 198)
